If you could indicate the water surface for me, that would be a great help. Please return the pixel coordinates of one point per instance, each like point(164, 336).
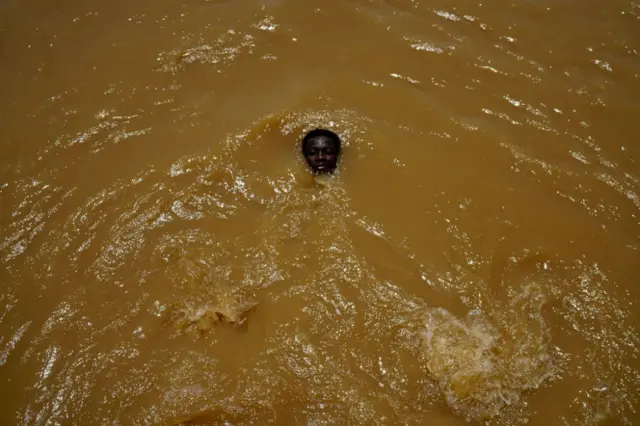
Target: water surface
point(166, 258)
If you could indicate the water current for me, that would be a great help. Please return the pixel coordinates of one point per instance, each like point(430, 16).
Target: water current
point(166, 258)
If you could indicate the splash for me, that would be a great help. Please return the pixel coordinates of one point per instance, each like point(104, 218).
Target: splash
point(200, 319)
point(484, 365)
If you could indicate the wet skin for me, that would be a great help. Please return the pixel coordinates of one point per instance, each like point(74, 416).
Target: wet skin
point(321, 154)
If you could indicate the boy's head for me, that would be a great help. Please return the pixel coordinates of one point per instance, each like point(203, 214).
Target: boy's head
point(321, 148)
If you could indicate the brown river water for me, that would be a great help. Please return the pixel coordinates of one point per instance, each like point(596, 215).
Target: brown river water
point(166, 258)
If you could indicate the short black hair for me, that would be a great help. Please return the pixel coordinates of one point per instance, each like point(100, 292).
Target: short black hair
point(321, 133)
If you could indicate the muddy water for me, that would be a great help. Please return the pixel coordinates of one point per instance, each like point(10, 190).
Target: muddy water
point(167, 259)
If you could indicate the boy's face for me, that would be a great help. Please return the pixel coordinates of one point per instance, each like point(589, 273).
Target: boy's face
point(321, 154)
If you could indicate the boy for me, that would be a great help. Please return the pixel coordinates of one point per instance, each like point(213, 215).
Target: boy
point(321, 149)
